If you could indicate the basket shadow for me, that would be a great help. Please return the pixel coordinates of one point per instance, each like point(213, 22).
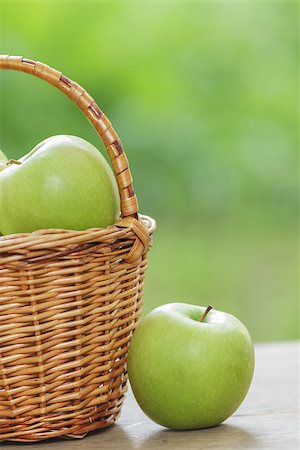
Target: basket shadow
point(105, 439)
point(225, 437)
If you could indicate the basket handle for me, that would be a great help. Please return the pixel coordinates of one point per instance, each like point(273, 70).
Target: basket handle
point(104, 128)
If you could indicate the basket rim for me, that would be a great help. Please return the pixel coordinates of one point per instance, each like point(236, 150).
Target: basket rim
point(148, 222)
point(16, 248)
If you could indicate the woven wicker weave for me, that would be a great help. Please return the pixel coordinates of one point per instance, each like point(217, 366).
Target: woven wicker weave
point(69, 302)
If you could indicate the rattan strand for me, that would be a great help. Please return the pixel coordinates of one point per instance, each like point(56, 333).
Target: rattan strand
point(69, 303)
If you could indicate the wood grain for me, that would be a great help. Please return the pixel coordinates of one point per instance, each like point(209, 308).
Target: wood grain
point(268, 418)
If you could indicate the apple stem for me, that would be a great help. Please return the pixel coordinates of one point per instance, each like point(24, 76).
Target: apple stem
point(206, 312)
point(13, 161)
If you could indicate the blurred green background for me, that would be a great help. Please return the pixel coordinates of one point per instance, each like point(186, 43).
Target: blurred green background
point(205, 99)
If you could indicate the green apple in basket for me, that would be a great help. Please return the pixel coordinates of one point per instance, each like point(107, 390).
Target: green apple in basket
point(189, 366)
point(64, 183)
point(3, 160)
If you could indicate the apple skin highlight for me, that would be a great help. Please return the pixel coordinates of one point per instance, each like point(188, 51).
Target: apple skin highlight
point(188, 374)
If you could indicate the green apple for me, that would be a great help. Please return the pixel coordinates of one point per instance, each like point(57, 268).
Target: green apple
point(64, 183)
point(3, 160)
point(190, 367)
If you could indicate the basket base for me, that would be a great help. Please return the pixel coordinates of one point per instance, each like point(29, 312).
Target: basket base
point(42, 428)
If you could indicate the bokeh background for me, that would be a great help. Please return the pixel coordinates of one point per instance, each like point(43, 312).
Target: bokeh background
point(205, 98)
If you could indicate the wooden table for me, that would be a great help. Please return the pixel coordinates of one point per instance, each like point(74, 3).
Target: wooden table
point(268, 418)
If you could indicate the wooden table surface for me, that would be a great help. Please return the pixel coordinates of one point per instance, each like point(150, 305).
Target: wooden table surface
point(268, 418)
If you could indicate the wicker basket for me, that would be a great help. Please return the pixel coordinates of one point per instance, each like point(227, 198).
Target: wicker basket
point(69, 302)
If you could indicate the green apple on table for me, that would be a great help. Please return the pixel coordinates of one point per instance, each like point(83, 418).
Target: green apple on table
point(64, 183)
point(190, 367)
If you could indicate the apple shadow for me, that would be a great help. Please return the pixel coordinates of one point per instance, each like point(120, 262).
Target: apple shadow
point(113, 436)
point(225, 437)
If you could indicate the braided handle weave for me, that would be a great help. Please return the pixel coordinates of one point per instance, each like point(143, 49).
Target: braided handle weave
point(104, 128)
